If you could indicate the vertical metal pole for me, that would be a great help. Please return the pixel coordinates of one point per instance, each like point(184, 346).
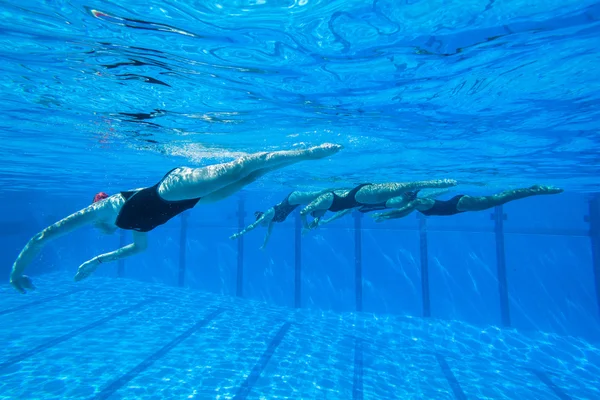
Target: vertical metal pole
point(498, 216)
point(594, 220)
point(424, 265)
point(358, 259)
point(357, 387)
point(182, 249)
point(239, 291)
point(297, 261)
point(121, 262)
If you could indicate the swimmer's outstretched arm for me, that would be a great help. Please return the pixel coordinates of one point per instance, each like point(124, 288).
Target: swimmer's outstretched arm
point(74, 221)
point(268, 235)
point(335, 216)
point(250, 227)
point(399, 213)
point(140, 243)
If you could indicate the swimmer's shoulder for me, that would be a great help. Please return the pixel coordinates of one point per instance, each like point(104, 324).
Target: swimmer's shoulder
point(110, 205)
point(117, 200)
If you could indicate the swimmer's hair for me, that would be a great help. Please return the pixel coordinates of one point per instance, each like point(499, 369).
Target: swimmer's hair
point(99, 197)
point(258, 214)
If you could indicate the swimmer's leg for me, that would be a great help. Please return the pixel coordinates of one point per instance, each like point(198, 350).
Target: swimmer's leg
point(434, 194)
point(397, 213)
point(382, 192)
point(191, 183)
point(235, 187)
point(468, 203)
point(396, 202)
point(298, 197)
point(335, 216)
point(239, 185)
point(318, 206)
point(401, 201)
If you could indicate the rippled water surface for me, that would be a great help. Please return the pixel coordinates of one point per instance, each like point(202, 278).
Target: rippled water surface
point(490, 92)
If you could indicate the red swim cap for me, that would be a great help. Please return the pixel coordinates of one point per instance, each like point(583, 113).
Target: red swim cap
point(99, 196)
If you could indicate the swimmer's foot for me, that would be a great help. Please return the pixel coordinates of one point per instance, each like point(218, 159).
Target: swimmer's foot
point(86, 269)
point(324, 150)
point(447, 183)
point(540, 189)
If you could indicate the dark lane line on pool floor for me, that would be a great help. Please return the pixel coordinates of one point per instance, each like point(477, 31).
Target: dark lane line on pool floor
point(452, 381)
point(141, 367)
point(40, 301)
point(357, 386)
point(546, 380)
point(250, 381)
point(57, 340)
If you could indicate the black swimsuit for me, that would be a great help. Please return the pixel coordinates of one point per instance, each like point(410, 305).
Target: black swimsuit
point(372, 207)
point(445, 207)
point(347, 201)
point(283, 209)
point(144, 209)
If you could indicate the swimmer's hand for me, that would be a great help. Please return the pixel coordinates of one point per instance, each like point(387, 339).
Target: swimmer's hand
point(86, 269)
point(305, 231)
point(22, 283)
point(235, 236)
point(379, 217)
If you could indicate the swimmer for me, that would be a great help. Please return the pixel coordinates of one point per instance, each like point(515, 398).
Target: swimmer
point(463, 203)
point(279, 212)
point(142, 210)
point(367, 195)
point(395, 202)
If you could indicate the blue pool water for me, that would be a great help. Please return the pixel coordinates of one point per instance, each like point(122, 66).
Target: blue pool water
point(109, 96)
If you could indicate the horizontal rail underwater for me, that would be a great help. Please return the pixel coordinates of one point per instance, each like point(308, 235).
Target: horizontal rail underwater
point(416, 229)
point(454, 229)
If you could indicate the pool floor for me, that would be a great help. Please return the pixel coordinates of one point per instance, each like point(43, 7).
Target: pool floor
point(122, 339)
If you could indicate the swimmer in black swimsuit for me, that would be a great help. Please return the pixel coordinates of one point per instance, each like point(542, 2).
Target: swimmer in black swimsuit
point(463, 203)
point(366, 196)
point(280, 212)
point(142, 210)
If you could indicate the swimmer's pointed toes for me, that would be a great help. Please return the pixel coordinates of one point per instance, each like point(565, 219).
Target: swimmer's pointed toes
point(554, 190)
point(542, 189)
point(324, 150)
point(334, 147)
